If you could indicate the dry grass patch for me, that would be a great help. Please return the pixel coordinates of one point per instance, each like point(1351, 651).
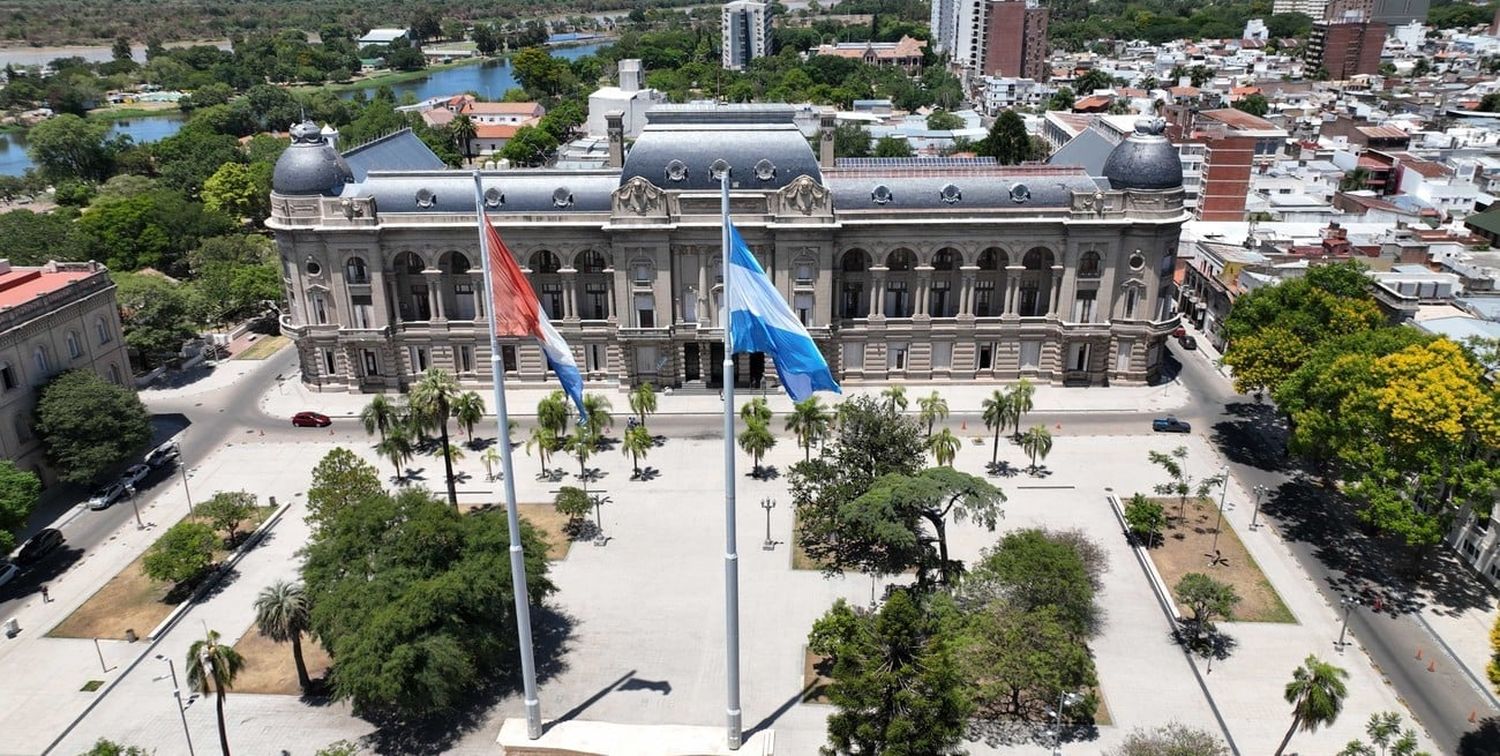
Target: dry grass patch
point(814, 680)
point(269, 667)
point(1184, 547)
point(800, 559)
point(263, 347)
point(542, 516)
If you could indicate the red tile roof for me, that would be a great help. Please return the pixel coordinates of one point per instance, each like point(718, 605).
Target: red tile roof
point(503, 108)
point(495, 130)
point(21, 285)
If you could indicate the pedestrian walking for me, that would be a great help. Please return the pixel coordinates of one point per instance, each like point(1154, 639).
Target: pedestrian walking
point(46, 595)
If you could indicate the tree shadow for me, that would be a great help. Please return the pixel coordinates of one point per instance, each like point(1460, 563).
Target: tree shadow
point(51, 567)
point(658, 440)
point(998, 733)
point(764, 472)
point(173, 379)
point(592, 474)
point(415, 473)
point(1483, 740)
point(1253, 435)
point(645, 474)
point(1001, 469)
point(1039, 471)
point(1214, 644)
point(551, 475)
point(440, 732)
point(584, 705)
point(786, 706)
point(480, 443)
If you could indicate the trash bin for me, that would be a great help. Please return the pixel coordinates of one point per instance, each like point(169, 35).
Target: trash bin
point(130, 635)
point(12, 628)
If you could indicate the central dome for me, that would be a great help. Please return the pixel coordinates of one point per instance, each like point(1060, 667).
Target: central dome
point(1145, 160)
point(310, 165)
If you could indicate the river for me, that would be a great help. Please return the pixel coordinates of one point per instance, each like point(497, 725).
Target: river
point(490, 79)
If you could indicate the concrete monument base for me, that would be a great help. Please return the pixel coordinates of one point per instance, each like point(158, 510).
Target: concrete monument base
point(580, 738)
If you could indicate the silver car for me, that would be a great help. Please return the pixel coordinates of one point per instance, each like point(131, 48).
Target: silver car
point(108, 495)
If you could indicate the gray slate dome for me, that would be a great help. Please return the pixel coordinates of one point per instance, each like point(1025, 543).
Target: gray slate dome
point(310, 165)
point(1145, 160)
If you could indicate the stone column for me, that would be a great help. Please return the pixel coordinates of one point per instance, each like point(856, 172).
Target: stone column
point(924, 286)
point(877, 291)
point(609, 296)
point(1012, 288)
point(570, 293)
point(1057, 282)
point(391, 289)
point(481, 307)
point(434, 280)
point(968, 276)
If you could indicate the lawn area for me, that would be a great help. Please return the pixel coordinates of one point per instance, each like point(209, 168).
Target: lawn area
point(133, 601)
point(269, 667)
point(542, 516)
point(263, 348)
point(800, 559)
point(1183, 549)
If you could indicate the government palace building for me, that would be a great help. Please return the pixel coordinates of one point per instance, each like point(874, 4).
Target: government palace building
point(902, 269)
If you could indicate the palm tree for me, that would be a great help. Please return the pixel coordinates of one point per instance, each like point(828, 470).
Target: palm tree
point(1021, 402)
point(552, 412)
point(211, 668)
point(1036, 441)
point(637, 443)
point(281, 613)
point(546, 441)
point(468, 409)
point(756, 411)
point(756, 440)
point(433, 397)
point(464, 130)
point(490, 458)
point(895, 398)
point(597, 407)
point(379, 415)
point(944, 447)
point(453, 452)
point(582, 444)
point(996, 415)
point(643, 401)
point(933, 408)
point(1316, 694)
point(397, 447)
point(810, 420)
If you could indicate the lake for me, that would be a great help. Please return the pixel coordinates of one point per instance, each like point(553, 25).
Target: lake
point(14, 161)
point(490, 79)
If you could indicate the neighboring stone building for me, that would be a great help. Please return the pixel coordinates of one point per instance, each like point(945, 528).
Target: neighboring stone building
point(60, 316)
point(904, 269)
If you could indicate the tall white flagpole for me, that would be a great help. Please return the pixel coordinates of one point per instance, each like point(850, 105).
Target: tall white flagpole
point(731, 555)
point(507, 470)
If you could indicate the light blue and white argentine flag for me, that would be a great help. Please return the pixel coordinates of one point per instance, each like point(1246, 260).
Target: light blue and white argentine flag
point(760, 320)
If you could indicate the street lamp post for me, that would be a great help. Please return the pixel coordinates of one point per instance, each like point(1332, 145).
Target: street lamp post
point(177, 696)
point(1260, 491)
point(768, 504)
point(1348, 607)
point(1064, 698)
point(138, 524)
point(1214, 557)
point(599, 501)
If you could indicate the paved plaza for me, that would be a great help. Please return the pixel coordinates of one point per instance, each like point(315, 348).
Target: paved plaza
point(643, 615)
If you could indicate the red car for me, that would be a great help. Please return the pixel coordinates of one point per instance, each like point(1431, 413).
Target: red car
point(1179, 332)
point(311, 420)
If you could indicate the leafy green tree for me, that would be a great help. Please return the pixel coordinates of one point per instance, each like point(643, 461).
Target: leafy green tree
point(181, 554)
point(540, 73)
point(339, 748)
point(239, 191)
point(582, 444)
point(156, 316)
point(894, 398)
point(1385, 733)
point(1007, 141)
point(1015, 661)
point(1182, 482)
point(944, 447)
point(757, 410)
point(1171, 740)
point(1206, 598)
point(1316, 693)
point(896, 687)
point(341, 480)
point(282, 614)
point(188, 158)
point(379, 416)
point(1145, 518)
point(463, 129)
point(1254, 104)
point(996, 411)
point(1036, 442)
point(552, 412)
point(851, 140)
point(546, 441)
point(434, 396)
point(890, 518)
point(18, 496)
point(756, 440)
point(1031, 569)
point(226, 510)
point(211, 668)
point(153, 229)
point(1093, 80)
point(834, 629)
point(942, 120)
point(892, 147)
point(104, 747)
point(397, 447)
point(69, 147)
point(531, 146)
point(1062, 99)
point(89, 426)
point(643, 401)
point(574, 503)
point(810, 421)
point(932, 408)
point(430, 620)
point(1022, 400)
point(597, 407)
point(468, 410)
point(637, 444)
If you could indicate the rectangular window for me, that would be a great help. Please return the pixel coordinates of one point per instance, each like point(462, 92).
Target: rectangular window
point(1123, 350)
point(854, 355)
point(937, 305)
point(463, 302)
point(1078, 357)
point(1031, 354)
point(849, 301)
point(593, 306)
point(418, 356)
point(596, 359)
point(320, 310)
point(1470, 550)
point(1130, 303)
point(645, 360)
point(420, 308)
point(897, 299)
point(508, 358)
point(463, 358)
point(552, 300)
point(8, 377)
point(802, 302)
point(372, 363)
point(1083, 305)
point(896, 357)
point(645, 311)
point(984, 299)
point(364, 311)
point(330, 362)
point(986, 356)
point(942, 354)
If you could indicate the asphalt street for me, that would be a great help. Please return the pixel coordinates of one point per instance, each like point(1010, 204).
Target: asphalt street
point(1321, 531)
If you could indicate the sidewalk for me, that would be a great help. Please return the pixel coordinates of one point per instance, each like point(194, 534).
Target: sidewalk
point(289, 396)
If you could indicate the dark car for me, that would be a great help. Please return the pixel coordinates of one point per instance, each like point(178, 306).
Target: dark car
point(43, 543)
point(1188, 342)
point(311, 420)
point(1170, 425)
point(163, 455)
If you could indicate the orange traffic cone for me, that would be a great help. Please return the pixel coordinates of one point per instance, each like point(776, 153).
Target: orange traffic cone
point(1419, 653)
point(1473, 715)
point(1432, 666)
point(963, 425)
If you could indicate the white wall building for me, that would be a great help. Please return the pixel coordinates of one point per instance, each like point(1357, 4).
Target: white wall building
point(1002, 93)
point(631, 98)
point(747, 33)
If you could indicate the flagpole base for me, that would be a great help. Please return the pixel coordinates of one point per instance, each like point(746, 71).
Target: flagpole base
point(533, 719)
point(736, 732)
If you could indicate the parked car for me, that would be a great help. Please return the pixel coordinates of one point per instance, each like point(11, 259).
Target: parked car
point(311, 420)
point(106, 496)
point(163, 455)
point(43, 543)
point(135, 474)
point(1188, 342)
point(1171, 425)
point(8, 572)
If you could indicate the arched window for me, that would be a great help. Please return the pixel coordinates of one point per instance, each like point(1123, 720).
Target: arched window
point(900, 260)
point(23, 429)
point(43, 365)
point(548, 284)
point(456, 263)
point(1088, 265)
point(900, 301)
point(591, 261)
point(945, 259)
point(409, 263)
point(102, 328)
point(75, 349)
point(1037, 258)
point(544, 262)
point(855, 261)
point(356, 272)
point(114, 374)
point(594, 285)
